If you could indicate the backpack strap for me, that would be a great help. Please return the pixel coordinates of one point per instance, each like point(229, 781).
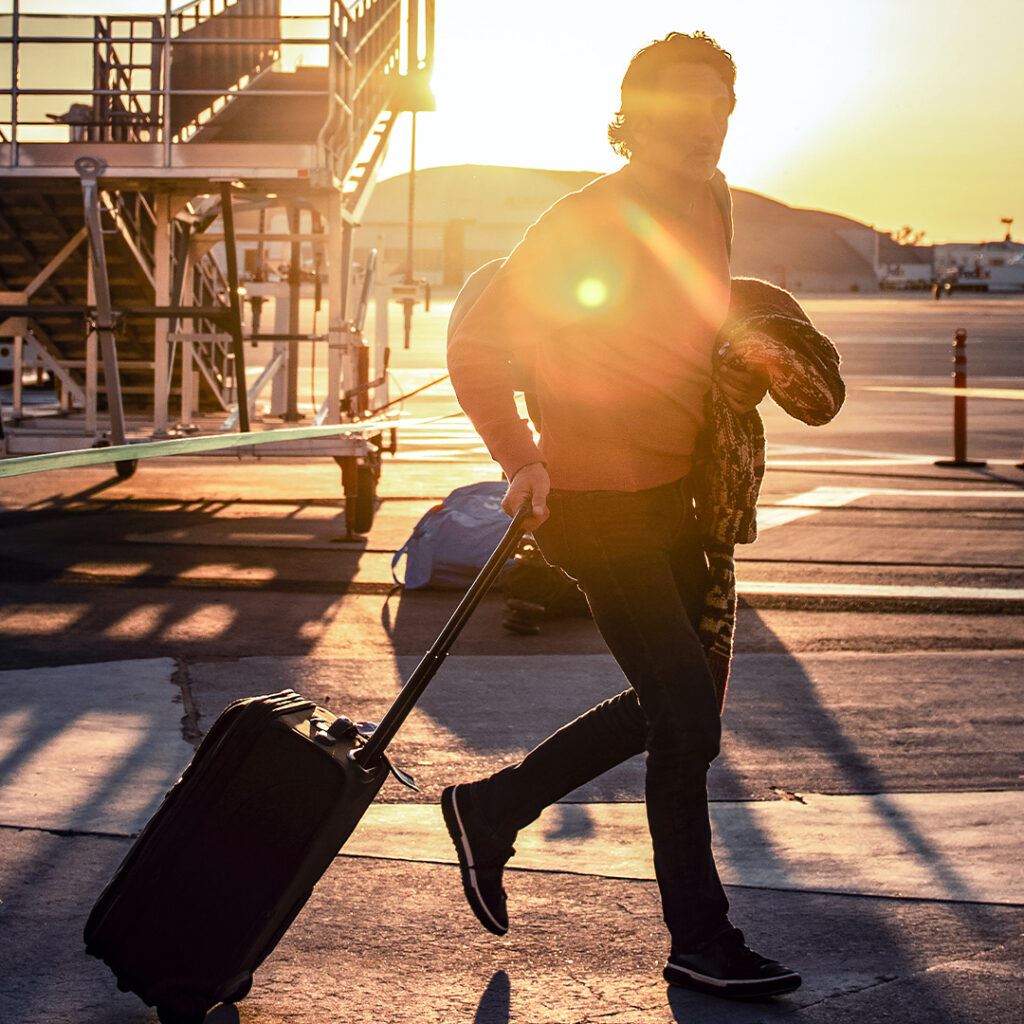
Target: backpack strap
point(401, 553)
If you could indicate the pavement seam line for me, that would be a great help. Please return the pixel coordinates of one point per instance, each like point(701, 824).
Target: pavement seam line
point(190, 730)
point(68, 833)
point(632, 880)
point(877, 983)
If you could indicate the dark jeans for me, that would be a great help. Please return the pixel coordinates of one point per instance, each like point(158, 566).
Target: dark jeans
point(638, 559)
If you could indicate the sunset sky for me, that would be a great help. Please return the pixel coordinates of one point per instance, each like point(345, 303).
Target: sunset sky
point(891, 111)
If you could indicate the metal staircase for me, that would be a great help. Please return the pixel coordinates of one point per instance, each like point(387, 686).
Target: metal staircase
point(283, 113)
point(40, 228)
point(173, 108)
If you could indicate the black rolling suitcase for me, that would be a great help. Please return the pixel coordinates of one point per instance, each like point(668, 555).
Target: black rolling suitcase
point(231, 856)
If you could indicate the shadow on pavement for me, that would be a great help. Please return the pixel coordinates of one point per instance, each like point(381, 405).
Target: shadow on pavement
point(495, 1003)
point(85, 574)
point(776, 708)
point(784, 712)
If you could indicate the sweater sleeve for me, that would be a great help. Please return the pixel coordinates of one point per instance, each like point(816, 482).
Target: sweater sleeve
point(497, 341)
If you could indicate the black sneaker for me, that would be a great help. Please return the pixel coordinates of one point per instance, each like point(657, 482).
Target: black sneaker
point(481, 859)
point(726, 966)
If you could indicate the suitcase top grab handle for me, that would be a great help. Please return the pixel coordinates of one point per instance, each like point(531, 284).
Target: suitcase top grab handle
point(411, 692)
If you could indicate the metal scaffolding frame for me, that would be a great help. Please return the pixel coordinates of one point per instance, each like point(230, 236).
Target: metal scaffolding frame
point(164, 146)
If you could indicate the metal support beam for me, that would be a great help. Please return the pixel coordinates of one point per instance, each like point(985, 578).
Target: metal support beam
point(266, 236)
point(268, 374)
point(42, 353)
point(89, 170)
point(279, 390)
point(188, 381)
point(46, 273)
point(235, 321)
point(188, 373)
point(13, 237)
point(127, 236)
point(12, 326)
point(340, 245)
point(291, 414)
point(91, 383)
point(17, 389)
point(162, 287)
point(199, 360)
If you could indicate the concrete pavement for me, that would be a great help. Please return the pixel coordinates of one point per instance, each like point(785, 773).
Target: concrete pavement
point(866, 804)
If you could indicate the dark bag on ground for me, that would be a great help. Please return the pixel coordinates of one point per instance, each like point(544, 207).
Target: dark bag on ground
point(235, 849)
point(536, 591)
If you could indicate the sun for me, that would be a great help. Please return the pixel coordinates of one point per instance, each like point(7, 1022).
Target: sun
point(509, 93)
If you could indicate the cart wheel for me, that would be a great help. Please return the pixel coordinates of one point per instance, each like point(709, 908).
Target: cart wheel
point(126, 468)
point(363, 502)
point(241, 992)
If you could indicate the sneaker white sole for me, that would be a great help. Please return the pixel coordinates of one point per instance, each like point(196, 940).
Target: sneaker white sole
point(470, 884)
point(742, 987)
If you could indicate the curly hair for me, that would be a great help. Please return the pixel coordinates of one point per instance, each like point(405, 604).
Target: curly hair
point(642, 77)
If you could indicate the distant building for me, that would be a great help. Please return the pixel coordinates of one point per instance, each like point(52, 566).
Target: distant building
point(468, 215)
point(981, 266)
point(902, 267)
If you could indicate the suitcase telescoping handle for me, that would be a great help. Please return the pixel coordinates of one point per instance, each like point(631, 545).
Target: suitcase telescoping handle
point(368, 755)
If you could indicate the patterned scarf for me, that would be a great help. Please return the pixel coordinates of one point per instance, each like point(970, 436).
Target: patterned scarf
point(766, 324)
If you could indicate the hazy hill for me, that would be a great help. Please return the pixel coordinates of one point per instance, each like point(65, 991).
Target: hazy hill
point(803, 249)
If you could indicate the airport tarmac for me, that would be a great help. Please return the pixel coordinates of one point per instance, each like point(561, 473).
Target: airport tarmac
point(866, 804)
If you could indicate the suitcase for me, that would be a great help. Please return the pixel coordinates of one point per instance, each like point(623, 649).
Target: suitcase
point(233, 852)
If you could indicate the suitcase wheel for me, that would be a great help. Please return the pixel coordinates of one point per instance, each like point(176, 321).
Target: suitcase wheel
point(176, 1015)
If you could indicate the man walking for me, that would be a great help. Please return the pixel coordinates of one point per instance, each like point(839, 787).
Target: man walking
point(608, 314)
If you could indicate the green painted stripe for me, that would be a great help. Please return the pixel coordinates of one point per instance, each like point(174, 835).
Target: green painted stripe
point(177, 446)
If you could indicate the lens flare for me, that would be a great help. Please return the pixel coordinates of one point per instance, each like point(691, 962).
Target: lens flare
point(591, 292)
point(708, 294)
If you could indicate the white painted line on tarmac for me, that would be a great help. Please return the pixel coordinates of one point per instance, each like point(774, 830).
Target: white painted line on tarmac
point(894, 590)
point(782, 456)
point(874, 462)
point(807, 504)
point(1008, 394)
point(856, 452)
point(811, 498)
point(821, 499)
point(863, 379)
point(947, 493)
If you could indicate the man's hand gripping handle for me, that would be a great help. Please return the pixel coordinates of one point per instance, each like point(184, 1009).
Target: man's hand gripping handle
point(529, 487)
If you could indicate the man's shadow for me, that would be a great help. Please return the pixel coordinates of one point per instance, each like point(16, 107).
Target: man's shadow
point(795, 723)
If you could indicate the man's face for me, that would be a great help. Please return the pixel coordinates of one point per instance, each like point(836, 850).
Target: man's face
point(684, 127)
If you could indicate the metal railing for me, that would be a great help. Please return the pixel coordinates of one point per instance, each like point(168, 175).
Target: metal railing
point(363, 73)
point(217, 47)
point(158, 79)
point(153, 78)
point(122, 113)
point(134, 220)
